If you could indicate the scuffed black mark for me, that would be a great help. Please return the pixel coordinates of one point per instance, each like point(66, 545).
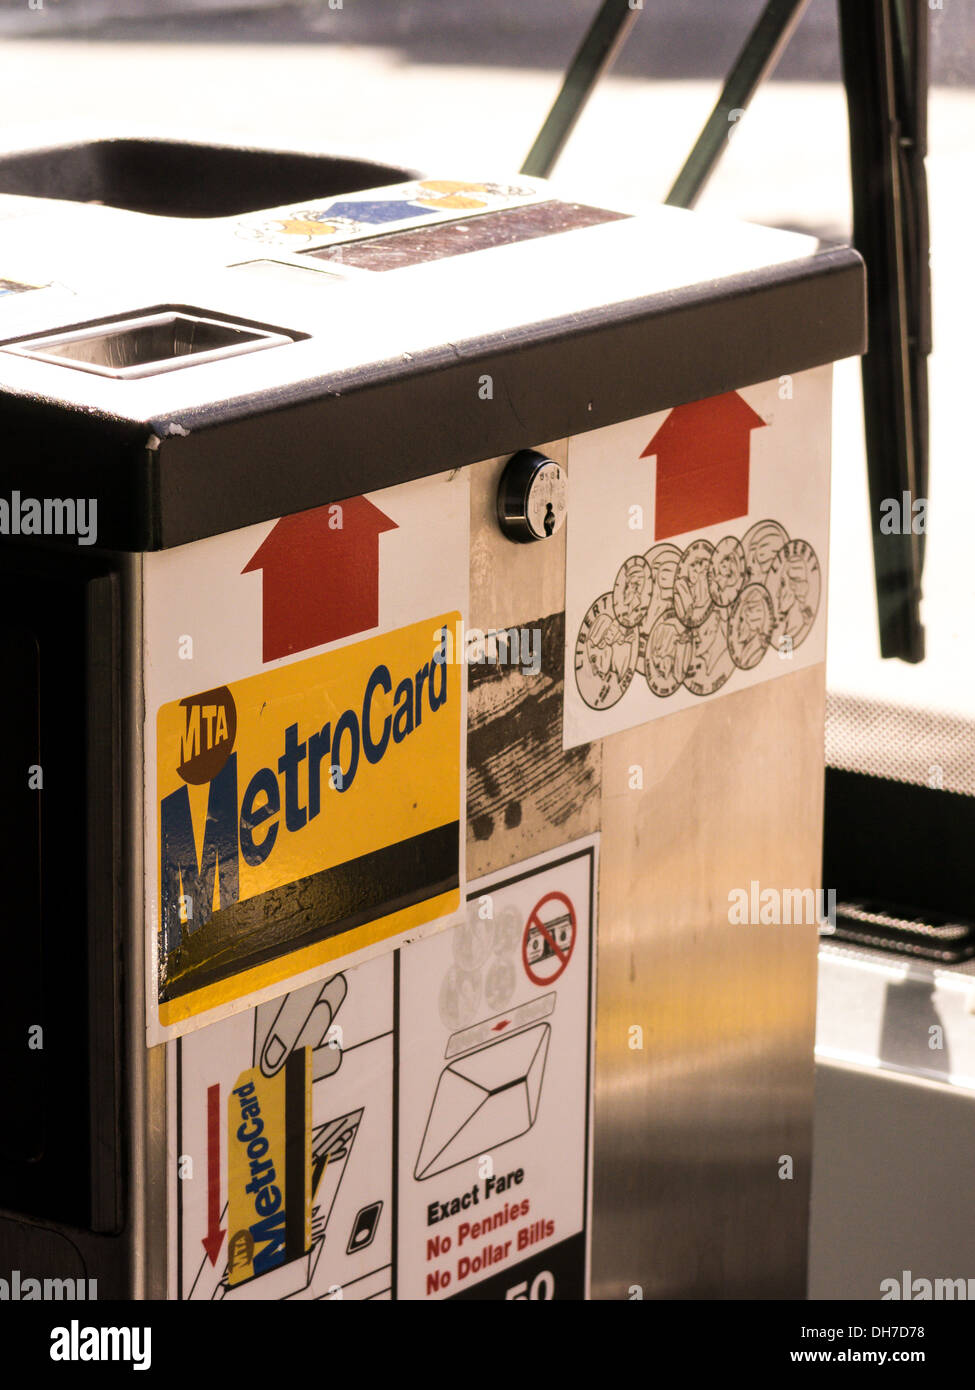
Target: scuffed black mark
point(514, 743)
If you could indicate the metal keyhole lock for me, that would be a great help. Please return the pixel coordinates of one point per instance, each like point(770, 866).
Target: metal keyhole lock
point(532, 496)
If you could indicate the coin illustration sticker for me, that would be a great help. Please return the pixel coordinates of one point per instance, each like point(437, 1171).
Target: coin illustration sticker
point(732, 600)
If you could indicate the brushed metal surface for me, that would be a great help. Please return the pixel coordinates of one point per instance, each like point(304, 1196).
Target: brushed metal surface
point(691, 1129)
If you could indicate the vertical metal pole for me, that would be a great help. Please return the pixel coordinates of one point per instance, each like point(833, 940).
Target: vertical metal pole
point(757, 59)
point(595, 56)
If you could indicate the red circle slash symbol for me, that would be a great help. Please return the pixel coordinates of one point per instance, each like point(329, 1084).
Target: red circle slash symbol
point(546, 946)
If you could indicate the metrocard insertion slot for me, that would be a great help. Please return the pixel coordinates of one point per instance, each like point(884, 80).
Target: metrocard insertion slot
point(148, 343)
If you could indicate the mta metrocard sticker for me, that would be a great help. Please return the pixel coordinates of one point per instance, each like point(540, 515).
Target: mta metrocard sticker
point(305, 813)
point(304, 742)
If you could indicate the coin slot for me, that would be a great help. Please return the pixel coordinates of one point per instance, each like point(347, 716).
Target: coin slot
point(150, 343)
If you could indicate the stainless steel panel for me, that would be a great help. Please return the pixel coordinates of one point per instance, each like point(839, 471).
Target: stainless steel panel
point(691, 1130)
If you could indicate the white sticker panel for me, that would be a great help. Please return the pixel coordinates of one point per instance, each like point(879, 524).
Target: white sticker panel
point(696, 553)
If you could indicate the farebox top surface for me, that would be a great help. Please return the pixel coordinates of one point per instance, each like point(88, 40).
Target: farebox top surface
point(413, 328)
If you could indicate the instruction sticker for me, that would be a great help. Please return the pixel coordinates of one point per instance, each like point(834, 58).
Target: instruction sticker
point(447, 1086)
point(425, 201)
point(306, 814)
point(696, 553)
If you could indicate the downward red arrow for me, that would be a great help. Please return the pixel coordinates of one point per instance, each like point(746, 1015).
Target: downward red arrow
point(213, 1239)
point(321, 575)
point(703, 456)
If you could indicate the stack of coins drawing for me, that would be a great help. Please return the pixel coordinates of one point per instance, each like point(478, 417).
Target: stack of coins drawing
point(691, 618)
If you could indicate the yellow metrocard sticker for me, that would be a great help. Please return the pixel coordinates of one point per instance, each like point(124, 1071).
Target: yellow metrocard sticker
point(306, 813)
point(269, 1169)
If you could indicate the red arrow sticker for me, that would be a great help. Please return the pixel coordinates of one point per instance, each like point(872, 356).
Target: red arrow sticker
point(550, 935)
point(321, 576)
point(703, 457)
point(213, 1239)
